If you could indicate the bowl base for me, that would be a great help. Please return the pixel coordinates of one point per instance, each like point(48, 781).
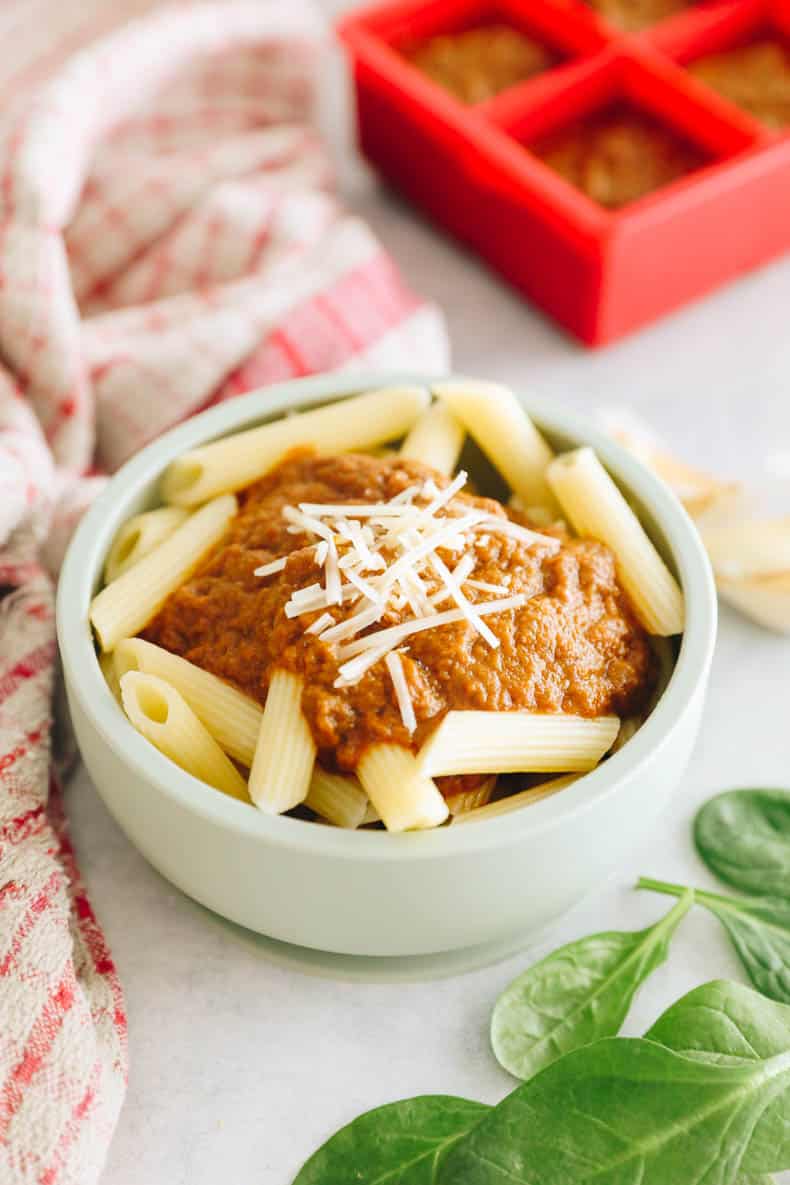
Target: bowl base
point(377, 968)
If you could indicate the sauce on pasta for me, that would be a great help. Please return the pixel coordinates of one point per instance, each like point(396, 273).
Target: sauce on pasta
point(574, 644)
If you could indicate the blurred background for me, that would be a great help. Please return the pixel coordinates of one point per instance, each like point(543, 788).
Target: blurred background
point(712, 378)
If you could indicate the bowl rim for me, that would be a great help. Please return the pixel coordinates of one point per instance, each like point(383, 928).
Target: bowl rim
point(86, 684)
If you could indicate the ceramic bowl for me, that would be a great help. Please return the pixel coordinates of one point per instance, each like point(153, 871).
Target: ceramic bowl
point(371, 893)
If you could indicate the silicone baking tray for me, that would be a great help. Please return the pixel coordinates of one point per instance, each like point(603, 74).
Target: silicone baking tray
point(601, 273)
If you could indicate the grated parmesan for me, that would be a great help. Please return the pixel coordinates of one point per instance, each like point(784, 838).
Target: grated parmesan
point(271, 568)
point(395, 634)
point(468, 610)
point(320, 623)
point(402, 695)
point(350, 542)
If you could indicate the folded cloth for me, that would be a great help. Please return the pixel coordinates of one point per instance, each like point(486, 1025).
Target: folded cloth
point(168, 239)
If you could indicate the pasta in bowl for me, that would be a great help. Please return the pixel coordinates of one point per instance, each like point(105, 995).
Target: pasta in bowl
point(410, 607)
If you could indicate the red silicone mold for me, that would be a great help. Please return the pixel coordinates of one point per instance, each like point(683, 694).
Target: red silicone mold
point(601, 273)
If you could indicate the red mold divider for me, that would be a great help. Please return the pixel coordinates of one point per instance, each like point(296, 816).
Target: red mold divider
point(600, 273)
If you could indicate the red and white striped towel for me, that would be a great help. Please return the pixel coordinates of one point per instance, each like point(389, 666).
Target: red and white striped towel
point(168, 238)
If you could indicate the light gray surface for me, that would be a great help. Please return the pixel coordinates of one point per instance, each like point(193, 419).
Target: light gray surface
point(240, 1066)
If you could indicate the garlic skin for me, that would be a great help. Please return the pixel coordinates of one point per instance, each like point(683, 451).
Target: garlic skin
point(745, 528)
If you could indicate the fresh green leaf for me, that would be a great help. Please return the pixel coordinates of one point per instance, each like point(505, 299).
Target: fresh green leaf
point(626, 1111)
point(577, 994)
point(760, 932)
point(724, 1019)
point(759, 928)
point(730, 1024)
point(744, 837)
point(703, 1100)
point(401, 1143)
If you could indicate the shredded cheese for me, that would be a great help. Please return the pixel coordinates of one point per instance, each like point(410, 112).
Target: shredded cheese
point(436, 539)
point(464, 568)
point(504, 526)
point(402, 695)
point(446, 495)
point(317, 601)
point(367, 590)
point(306, 594)
point(471, 615)
point(334, 594)
point(271, 568)
point(353, 671)
point(415, 592)
point(304, 524)
point(395, 634)
point(352, 625)
point(461, 573)
point(320, 623)
point(484, 586)
point(318, 510)
point(383, 556)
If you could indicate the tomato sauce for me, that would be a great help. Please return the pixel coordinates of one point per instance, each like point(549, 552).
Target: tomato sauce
point(575, 646)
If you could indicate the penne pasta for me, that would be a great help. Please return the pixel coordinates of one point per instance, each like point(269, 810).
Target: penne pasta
point(124, 607)
point(110, 673)
point(285, 751)
point(165, 719)
point(504, 806)
point(595, 507)
point(338, 799)
point(404, 797)
point(436, 439)
point(470, 800)
point(232, 718)
point(138, 536)
point(375, 581)
point(493, 416)
point(480, 742)
point(230, 464)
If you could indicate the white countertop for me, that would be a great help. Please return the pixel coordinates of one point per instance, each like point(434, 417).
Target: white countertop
point(241, 1065)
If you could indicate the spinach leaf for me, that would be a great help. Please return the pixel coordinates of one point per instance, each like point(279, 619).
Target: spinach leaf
point(577, 994)
point(760, 932)
point(704, 1099)
point(399, 1144)
point(625, 1111)
point(725, 1020)
point(730, 1024)
point(744, 837)
point(759, 928)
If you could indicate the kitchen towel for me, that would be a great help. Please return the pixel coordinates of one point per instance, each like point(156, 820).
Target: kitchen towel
point(169, 238)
